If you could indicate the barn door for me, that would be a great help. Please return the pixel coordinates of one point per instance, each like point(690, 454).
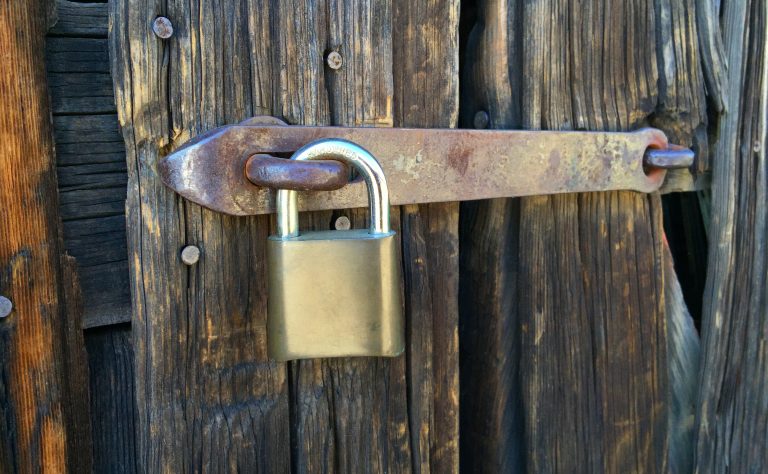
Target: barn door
point(563, 332)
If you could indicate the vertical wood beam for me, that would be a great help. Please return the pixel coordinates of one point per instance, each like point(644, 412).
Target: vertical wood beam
point(566, 293)
point(34, 431)
point(732, 413)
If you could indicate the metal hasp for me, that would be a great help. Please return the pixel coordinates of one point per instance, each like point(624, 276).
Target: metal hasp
point(421, 165)
point(335, 293)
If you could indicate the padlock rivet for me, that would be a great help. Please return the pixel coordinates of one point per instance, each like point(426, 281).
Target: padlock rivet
point(481, 119)
point(334, 60)
point(190, 255)
point(5, 307)
point(162, 27)
point(342, 223)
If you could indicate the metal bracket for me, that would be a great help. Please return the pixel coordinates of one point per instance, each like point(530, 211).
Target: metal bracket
point(217, 169)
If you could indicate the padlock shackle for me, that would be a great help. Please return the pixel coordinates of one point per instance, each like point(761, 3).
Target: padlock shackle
point(352, 154)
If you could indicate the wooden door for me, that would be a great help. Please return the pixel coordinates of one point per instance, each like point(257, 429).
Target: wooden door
point(544, 334)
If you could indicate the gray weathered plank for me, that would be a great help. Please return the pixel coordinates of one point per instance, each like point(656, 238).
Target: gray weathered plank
point(207, 396)
point(80, 19)
point(345, 415)
point(576, 279)
point(81, 93)
point(732, 413)
point(76, 55)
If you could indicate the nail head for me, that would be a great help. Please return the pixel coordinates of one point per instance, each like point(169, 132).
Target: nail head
point(162, 27)
point(482, 119)
point(5, 307)
point(342, 223)
point(334, 60)
point(190, 255)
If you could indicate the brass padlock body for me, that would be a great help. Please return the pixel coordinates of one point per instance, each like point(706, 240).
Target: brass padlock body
point(334, 294)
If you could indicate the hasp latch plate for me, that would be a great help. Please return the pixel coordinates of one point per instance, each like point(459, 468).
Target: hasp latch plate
point(218, 169)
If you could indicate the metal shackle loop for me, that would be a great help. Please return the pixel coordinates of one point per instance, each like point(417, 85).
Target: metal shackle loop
point(352, 154)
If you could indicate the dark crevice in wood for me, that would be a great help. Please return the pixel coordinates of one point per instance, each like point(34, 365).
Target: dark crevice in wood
point(684, 229)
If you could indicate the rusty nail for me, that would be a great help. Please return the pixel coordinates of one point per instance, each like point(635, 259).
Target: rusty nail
point(342, 223)
point(334, 60)
point(5, 307)
point(669, 158)
point(190, 255)
point(481, 119)
point(162, 27)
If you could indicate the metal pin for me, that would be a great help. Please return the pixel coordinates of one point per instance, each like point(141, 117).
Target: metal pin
point(669, 158)
point(342, 223)
point(481, 120)
point(190, 255)
point(5, 307)
point(162, 27)
point(334, 60)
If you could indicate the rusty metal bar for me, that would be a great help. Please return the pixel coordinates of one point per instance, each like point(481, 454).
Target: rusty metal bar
point(421, 165)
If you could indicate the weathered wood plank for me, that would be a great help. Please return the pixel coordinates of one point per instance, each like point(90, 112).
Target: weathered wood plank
point(84, 130)
point(492, 416)
point(426, 89)
point(349, 415)
point(207, 397)
point(586, 269)
point(110, 362)
point(81, 93)
point(682, 107)
point(34, 432)
point(77, 55)
point(80, 19)
point(732, 413)
point(76, 407)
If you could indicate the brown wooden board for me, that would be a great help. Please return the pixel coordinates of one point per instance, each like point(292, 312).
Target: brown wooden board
point(207, 396)
point(732, 413)
point(565, 294)
point(43, 415)
point(90, 158)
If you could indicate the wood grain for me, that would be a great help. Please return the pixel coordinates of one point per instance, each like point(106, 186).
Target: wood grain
point(565, 294)
point(113, 403)
point(684, 353)
point(80, 19)
point(33, 395)
point(426, 89)
point(343, 415)
point(207, 397)
point(732, 415)
point(90, 158)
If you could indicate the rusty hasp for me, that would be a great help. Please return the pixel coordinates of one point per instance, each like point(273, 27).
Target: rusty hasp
point(218, 169)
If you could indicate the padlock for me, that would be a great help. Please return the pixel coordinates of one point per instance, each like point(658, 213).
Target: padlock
point(335, 293)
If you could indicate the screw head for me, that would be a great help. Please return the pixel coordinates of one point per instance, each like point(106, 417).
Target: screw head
point(190, 255)
point(481, 120)
point(334, 60)
point(5, 307)
point(342, 223)
point(162, 27)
